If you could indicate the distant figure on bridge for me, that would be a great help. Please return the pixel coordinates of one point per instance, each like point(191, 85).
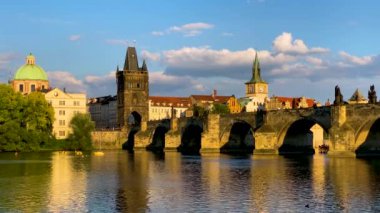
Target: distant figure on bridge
point(372, 98)
point(338, 96)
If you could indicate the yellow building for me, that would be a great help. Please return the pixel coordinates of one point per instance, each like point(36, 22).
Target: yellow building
point(30, 77)
point(65, 105)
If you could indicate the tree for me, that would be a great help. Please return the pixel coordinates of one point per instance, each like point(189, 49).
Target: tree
point(38, 114)
point(220, 109)
point(82, 126)
point(25, 122)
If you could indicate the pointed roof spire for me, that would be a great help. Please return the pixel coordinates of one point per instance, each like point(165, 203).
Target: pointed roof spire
point(131, 62)
point(256, 71)
point(144, 67)
point(357, 96)
point(117, 68)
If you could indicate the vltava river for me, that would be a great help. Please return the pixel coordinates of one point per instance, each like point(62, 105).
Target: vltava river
point(145, 182)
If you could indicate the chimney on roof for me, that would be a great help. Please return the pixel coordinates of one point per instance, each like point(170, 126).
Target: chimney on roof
point(214, 93)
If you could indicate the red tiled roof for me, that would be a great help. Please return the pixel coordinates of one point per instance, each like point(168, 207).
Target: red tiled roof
point(202, 97)
point(218, 99)
point(294, 101)
point(174, 101)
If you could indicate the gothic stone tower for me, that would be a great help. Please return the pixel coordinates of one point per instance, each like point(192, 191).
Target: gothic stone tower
point(256, 87)
point(132, 91)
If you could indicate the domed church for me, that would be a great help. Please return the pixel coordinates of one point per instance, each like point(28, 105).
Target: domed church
point(30, 77)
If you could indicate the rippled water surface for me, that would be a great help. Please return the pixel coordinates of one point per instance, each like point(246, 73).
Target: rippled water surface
point(145, 182)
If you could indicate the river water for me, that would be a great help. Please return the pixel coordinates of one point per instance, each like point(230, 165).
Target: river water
point(145, 182)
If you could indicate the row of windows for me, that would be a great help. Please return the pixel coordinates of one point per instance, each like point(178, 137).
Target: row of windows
point(135, 85)
point(165, 110)
point(63, 103)
point(32, 87)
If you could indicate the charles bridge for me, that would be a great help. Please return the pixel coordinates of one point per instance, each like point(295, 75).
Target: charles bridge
point(350, 129)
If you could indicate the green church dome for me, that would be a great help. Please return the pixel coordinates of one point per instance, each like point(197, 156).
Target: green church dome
point(30, 71)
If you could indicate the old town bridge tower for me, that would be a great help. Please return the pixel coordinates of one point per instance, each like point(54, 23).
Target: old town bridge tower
point(132, 91)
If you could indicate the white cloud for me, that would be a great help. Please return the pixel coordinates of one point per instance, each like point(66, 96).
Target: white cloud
point(150, 56)
point(122, 42)
point(284, 43)
point(158, 33)
point(314, 60)
point(64, 79)
point(355, 59)
point(74, 37)
point(187, 30)
point(164, 82)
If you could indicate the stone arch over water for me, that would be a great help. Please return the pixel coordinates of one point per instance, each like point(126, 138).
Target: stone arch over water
point(134, 125)
point(240, 139)
point(158, 137)
point(191, 137)
point(298, 138)
point(367, 140)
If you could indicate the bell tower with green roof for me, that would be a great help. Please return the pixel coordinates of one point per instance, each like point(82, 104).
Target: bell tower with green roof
point(256, 87)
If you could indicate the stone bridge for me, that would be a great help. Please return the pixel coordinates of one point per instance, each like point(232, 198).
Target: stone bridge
point(348, 129)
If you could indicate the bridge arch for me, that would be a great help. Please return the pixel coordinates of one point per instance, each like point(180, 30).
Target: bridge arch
point(157, 136)
point(297, 137)
point(134, 124)
point(238, 137)
point(191, 137)
point(367, 138)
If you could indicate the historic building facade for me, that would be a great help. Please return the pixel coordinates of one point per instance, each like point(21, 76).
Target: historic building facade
point(167, 107)
point(65, 105)
point(30, 77)
point(207, 101)
point(132, 90)
point(103, 111)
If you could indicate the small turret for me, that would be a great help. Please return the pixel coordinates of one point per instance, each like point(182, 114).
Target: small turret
point(144, 67)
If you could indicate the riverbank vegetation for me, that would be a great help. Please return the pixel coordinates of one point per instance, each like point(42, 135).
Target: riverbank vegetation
point(26, 124)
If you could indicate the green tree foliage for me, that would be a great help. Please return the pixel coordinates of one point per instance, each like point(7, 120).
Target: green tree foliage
point(39, 115)
point(80, 138)
point(25, 122)
point(220, 109)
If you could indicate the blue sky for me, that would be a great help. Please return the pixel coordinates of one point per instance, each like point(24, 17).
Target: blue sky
point(194, 46)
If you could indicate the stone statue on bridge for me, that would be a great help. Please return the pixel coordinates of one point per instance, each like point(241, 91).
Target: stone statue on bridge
point(372, 98)
point(338, 96)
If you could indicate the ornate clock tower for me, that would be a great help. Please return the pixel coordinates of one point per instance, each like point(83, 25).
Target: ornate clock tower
point(256, 87)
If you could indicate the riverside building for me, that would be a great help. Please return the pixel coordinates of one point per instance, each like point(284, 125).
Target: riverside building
point(32, 78)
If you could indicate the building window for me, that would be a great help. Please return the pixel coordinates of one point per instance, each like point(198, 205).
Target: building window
point(62, 103)
point(21, 87)
point(33, 88)
point(61, 133)
point(76, 103)
point(62, 112)
point(62, 122)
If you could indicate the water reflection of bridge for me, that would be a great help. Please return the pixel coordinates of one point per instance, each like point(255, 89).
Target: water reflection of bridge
point(349, 129)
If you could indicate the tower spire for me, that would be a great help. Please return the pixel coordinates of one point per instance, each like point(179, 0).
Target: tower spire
point(131, 62)
point(256, 71)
